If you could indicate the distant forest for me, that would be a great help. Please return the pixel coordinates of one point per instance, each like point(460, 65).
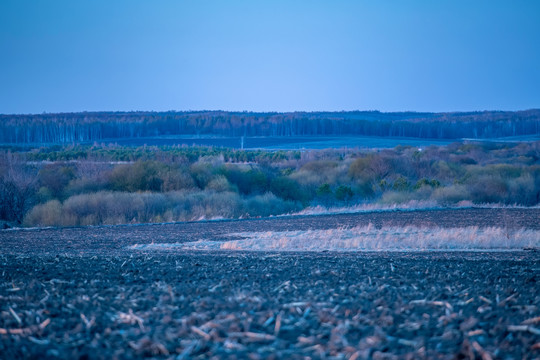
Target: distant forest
point(68, 128)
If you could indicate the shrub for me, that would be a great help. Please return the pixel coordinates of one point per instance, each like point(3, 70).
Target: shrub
point(288, 189)
point(220, 184)
point(107, 207)
point(17, 188)
point(370, 168)
point(82, 186)
point(268, 204)
point(450, 195)
point(140, 176)
point(201, 173)
point(324, 190)
point(253, 181)
point(425, 182)
point(522, 190)
point(204, 205)
point(400, 184)
point(449, 171)
point(397, 197)
point(364, 190)
point(56, 177)
point(344, 193)
point(488, 189)
point(324, 194)
point(43, 195)
point(319, 171)
point(177, 178)
point(48, 214)
point(359, 169)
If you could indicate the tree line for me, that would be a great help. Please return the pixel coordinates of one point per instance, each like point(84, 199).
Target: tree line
point(93, 185)
point(69, 128)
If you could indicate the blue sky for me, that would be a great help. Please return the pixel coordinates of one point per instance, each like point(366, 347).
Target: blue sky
point(92, 55)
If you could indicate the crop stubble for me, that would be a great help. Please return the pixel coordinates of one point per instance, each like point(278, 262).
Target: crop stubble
point(79, 292)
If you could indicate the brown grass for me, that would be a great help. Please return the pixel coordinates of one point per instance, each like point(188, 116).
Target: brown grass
point(369, 238)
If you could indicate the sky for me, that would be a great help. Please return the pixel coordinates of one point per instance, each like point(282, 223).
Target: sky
point(401, 55)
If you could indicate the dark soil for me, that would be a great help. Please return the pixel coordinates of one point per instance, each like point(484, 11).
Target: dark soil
point(79, 293)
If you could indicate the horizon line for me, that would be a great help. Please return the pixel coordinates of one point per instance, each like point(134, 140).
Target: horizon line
point(271, 111)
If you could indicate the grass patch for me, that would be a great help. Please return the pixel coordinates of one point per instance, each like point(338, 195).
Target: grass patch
point(369, 238)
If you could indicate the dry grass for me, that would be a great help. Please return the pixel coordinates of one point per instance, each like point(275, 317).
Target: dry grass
point(370, 207)
point(412, 205)
point(369, 238)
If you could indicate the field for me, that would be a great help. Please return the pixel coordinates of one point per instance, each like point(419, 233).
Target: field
point(89, 292)
point(301, 142)
point(281, 143)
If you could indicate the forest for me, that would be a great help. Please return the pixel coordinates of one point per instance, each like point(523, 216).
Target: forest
point(89, 127)
point(97, 184)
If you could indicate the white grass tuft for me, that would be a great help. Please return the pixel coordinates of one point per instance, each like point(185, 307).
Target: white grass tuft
point(392, 238)
point(412, 205)
point(369, 207)
point(369, 238)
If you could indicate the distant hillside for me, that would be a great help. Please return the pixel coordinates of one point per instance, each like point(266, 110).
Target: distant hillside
point(95, 126)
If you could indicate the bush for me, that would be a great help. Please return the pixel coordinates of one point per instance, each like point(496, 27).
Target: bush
point(522, 191)
point(447, 171)
point(364, 190)
point(400, 184)
point(268, 204)
point(82, 186)
point(450, 195)
point(288, 189)
point(220, 184)
point(253, 181)
point(56, 177)
point(324, 190)
point(140, 176)
point(324, 195)
point(487, 189)
point(120, 208)
point(177, 178)
point(344, 193)
point(17, 188)
point(320, 172)
point(370, 168)
point(202, 173)
point(397, 197)
point(48, 214)
point(204, 205)
point(425, 182)
point(360, 169)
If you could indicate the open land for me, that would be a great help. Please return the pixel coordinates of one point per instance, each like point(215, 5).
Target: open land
point(84, 292)
point(283, 143)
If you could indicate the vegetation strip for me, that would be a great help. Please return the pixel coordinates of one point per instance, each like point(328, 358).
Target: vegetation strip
point(369, 238)
point(102, 185)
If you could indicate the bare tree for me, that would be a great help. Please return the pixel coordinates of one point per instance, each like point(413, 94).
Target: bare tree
point(17, 187)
